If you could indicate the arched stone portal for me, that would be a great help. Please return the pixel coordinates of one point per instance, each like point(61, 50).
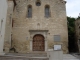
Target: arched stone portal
point(42, 34)
point(38, 43)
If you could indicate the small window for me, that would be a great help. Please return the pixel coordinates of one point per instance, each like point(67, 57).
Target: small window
point(47, 11)
point(38, 3)
point(29, 11)
point(57, 38)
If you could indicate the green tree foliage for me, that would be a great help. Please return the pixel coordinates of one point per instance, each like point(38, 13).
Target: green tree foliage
point(71, 33)
point(71, 26)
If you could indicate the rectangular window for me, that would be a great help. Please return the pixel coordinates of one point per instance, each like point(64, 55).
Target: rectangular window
point(57, 38)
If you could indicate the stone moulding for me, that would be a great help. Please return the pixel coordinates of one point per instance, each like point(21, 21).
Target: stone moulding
point(38, 30)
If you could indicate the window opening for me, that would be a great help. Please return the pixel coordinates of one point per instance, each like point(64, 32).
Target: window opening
point(29, 11)
point(47, 11)
point(38, 3)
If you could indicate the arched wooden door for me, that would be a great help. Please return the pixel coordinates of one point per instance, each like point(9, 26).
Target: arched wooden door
point(38, 43)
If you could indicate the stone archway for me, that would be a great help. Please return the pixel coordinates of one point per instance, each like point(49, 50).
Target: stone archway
point(38, 43)
point(34, 33)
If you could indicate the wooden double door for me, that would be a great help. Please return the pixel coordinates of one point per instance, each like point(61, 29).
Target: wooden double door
point(38, 43)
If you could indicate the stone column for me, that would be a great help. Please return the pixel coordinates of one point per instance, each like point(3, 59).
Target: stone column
point(45, 45)
point(30, 45)
point(31, 35)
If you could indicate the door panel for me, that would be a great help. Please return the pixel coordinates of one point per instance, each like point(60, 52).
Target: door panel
point(38, 43)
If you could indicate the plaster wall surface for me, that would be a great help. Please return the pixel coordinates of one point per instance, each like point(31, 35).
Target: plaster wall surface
point(3, 14)
point(8, 29)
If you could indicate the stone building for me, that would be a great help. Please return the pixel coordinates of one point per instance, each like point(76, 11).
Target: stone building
point(36, 25)
point(3, 14)
point(77, 31)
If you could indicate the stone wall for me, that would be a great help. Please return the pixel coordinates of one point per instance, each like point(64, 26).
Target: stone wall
point(56, 24)
point(77, 33)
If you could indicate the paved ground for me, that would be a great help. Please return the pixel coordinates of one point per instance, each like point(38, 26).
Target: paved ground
point(71, 57)
point(77, 55)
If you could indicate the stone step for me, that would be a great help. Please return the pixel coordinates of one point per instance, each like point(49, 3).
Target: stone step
point(22, 58)
point(28, 54)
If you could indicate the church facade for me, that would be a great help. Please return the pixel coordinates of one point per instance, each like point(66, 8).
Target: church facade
point(36, 25)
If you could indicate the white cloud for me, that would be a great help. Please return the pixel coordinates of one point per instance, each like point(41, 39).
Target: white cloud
point(73, 8)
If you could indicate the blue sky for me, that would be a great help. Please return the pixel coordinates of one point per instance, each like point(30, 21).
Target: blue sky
point(73, 8)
